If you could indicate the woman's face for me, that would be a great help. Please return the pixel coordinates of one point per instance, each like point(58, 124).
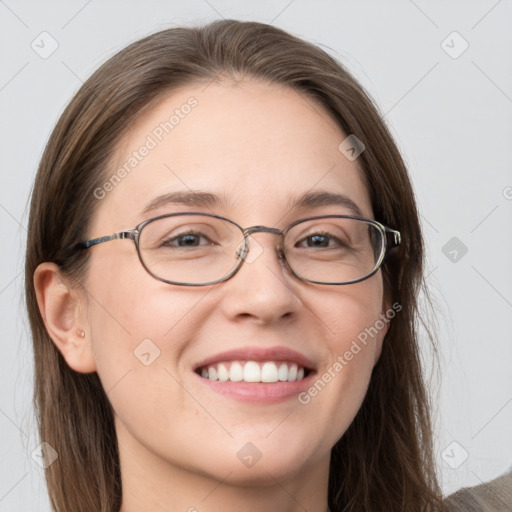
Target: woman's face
point(258, 148)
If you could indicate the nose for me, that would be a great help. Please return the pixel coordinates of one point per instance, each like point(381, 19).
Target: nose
point(263, 289)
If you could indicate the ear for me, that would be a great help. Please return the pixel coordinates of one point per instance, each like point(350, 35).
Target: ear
point(62, 309)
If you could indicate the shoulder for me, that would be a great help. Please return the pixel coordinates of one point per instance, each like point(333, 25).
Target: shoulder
point(492, 496)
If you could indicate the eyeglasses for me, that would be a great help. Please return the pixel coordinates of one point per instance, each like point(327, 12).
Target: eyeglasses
point(199, 249)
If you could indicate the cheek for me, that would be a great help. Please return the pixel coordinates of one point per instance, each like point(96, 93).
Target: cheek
point(139, 330)
point(354, 331)
point(353, 316)
point(136, 322)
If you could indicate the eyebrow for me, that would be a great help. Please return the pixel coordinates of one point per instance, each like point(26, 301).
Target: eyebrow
point(192, 198)
point(208, 200)
point(321, 198)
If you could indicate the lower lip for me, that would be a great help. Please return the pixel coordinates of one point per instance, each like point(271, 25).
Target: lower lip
point(259, 392)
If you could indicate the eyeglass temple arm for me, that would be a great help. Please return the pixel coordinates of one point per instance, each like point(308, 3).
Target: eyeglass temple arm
point(397, 237)
point(116, 236)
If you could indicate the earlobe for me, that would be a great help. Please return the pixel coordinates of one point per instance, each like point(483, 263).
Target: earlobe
point(59, 305)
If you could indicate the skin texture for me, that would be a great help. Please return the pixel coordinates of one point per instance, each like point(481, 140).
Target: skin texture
point(259, 146)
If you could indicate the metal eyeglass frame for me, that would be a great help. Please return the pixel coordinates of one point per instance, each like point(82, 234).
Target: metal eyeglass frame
point(134, 234)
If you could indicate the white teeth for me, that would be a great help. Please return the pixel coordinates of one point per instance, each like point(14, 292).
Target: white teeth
point(252, 371)
point(269, 372)
point(236, 372)
point(222, 372)
point(292, 372)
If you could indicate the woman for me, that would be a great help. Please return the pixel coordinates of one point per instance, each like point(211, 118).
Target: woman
point(223, 264)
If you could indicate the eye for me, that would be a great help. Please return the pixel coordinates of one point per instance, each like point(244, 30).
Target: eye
point(321, 240)
point(188, 239)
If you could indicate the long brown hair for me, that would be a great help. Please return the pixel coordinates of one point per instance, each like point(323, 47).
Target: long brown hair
point(384, 461)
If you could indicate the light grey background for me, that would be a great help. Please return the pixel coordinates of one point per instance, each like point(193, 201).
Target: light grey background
point(452, 119)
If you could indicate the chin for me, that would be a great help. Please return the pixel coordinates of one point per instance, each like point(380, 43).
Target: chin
point(259, 462)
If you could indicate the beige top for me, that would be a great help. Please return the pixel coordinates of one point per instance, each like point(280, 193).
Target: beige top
point(493, 496)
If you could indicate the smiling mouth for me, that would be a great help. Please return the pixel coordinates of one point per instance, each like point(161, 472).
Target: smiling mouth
point(254, 371)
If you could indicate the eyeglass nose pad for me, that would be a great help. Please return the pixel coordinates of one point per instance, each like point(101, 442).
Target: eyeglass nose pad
point(250, 249)
point(280, 253)
point(242, 250)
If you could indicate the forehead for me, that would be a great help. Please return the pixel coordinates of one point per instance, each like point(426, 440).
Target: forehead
point(256, 146)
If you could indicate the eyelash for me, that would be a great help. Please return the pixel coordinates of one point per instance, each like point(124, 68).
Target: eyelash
point(167, 242)
point(325, 234)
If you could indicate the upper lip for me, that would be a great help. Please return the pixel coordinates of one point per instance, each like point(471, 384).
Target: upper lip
point(259, 354)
